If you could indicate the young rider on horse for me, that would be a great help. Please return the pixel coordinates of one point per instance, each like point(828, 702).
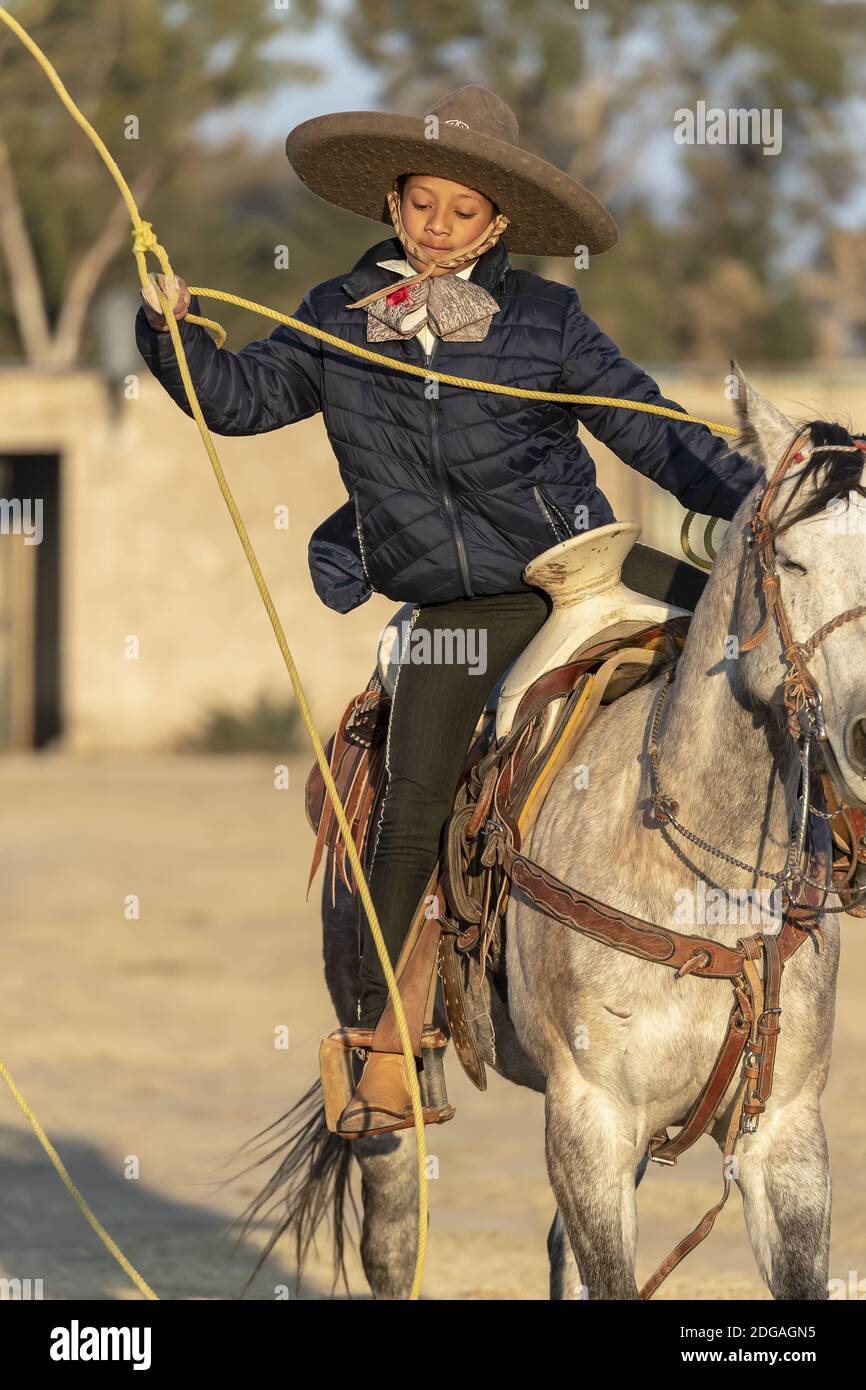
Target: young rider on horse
point(451, 491)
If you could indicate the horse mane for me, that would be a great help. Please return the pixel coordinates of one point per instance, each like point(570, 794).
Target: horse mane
point(835, 474)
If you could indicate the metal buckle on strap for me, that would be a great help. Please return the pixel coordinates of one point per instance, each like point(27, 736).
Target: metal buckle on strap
point(665, 1162)
point(492, 836)
point(764, 1028)
point(659, 1141)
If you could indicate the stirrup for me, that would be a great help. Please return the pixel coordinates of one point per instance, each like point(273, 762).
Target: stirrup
point(341, 1060)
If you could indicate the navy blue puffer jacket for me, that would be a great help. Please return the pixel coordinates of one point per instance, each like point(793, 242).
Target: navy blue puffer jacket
point(451, 491)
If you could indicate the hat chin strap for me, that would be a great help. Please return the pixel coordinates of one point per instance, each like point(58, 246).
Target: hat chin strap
point(482, 243)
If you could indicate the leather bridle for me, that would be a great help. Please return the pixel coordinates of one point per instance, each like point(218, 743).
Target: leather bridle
point(801, 694)
point(800, 691)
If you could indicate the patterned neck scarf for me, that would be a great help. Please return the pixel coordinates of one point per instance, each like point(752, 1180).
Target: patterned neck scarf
point(457, 309)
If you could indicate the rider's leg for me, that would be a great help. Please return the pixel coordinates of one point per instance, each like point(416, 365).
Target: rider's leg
point(436, 706)
point(431, 724)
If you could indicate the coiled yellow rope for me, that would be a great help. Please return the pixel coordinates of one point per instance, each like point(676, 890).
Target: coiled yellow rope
point(144, 240)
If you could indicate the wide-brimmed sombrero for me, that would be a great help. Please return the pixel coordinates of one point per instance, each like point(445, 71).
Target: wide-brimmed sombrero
point(351, 159)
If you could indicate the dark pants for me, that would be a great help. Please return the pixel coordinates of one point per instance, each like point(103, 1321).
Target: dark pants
point(436, 706)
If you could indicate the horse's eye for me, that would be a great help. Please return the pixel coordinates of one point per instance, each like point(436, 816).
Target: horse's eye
point(790, 566)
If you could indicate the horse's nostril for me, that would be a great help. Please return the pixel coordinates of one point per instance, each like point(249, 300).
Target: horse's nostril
point(858, 743)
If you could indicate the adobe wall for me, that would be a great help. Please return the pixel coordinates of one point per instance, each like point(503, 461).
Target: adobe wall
point(149, 549)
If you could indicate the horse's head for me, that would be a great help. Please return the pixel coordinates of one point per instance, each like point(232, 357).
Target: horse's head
point(803, 579)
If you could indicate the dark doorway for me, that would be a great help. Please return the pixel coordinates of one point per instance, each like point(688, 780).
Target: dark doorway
point(30, 694)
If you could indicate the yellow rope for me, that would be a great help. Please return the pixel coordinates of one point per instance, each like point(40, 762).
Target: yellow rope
point(52, 1153)
point(467, 383)
point(686, 544)
point(144, 240)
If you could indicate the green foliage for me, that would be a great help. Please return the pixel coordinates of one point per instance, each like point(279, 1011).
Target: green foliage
point(165, 65)
point(596, 91)
point(788, 333)
point(268, 726)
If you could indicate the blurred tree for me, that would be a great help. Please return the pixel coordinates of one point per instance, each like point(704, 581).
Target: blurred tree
point(144, 72)
point(838, 286)
point(708, 266)
point(596, 90)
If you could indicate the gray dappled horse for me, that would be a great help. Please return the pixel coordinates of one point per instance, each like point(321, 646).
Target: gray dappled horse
point(619, 1046)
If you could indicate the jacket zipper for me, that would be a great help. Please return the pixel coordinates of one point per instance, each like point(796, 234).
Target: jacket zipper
point(545, 507)
point(444, 489)
point(569, 530)
point(361, 540)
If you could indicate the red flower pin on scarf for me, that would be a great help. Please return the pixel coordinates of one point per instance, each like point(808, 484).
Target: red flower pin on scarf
point(399, 296)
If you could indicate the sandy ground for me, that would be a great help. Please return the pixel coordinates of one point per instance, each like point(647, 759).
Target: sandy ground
point(154, 1039)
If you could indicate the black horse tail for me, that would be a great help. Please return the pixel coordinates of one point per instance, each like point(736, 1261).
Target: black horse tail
point(311, 1185)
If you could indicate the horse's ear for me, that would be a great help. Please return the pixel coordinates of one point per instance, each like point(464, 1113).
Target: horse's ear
point(765, 433)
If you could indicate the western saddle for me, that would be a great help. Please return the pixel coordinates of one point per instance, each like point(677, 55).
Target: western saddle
point(601, 639)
